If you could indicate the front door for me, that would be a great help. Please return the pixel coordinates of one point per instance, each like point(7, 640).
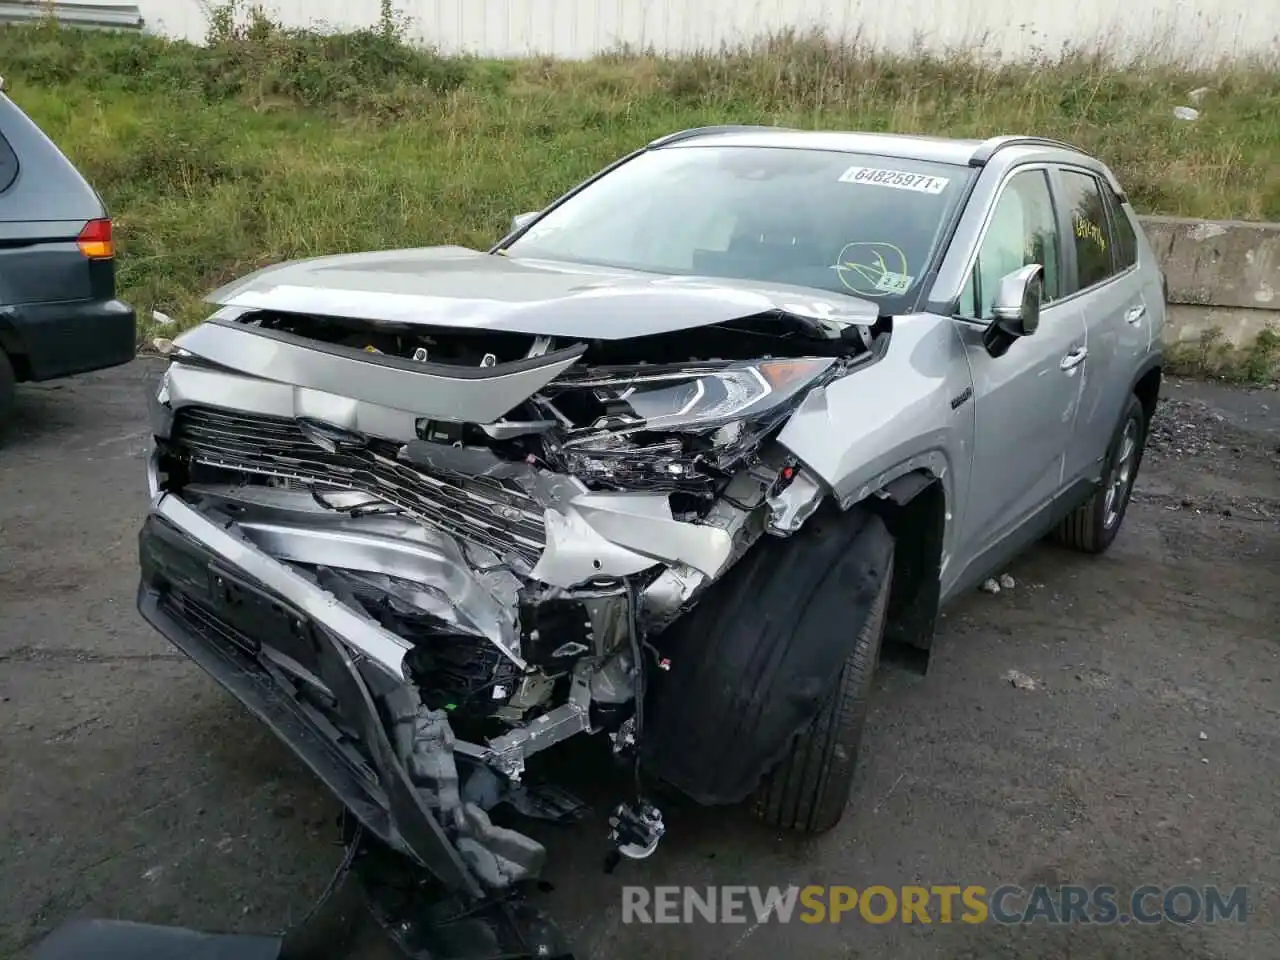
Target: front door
point(1027, 398)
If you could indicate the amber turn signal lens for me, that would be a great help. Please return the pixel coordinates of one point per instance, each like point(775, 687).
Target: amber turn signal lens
point(95, 240)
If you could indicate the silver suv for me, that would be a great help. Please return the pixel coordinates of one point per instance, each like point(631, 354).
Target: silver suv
point(669, 463)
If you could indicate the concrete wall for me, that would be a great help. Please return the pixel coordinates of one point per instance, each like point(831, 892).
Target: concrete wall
point(1204, 30)
point(1222, 274)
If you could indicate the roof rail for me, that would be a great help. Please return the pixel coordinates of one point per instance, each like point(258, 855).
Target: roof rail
point(989, 147)
point(711, 131)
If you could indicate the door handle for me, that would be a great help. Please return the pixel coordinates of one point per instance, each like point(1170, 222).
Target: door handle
point(1135, 314)
point(1074, 358)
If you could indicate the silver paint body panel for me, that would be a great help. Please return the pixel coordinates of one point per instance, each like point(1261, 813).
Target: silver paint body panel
point(468, 290)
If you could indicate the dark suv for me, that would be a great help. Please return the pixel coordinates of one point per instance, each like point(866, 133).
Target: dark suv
point(58, 309)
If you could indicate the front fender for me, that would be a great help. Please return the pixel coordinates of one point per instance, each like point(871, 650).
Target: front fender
point(912, 410)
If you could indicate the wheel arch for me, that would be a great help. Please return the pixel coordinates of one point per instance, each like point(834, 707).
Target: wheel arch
point(1146, 385)
point(913, 507)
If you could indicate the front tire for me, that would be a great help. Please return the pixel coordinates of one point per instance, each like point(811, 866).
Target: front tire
point(1093, 525)
point(809, 790)
point(765, 696)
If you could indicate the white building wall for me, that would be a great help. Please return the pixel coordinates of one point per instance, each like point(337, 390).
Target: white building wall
point(1200, 29)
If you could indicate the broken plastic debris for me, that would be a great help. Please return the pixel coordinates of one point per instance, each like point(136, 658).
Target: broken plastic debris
point(162, 346)
point(1020, 680)
point(990, 586)
point(1186, 113)
point(1007, 581)
point(1204, 759)
point(1203, 735)
point(161, 319)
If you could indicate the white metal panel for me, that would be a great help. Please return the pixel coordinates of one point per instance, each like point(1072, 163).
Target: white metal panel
point(1203, 29)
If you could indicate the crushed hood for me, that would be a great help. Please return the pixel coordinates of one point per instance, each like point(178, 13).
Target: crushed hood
point(467, 289)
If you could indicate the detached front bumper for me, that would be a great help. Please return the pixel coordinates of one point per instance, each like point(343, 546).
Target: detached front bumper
point(325, 681)
point(258, 628)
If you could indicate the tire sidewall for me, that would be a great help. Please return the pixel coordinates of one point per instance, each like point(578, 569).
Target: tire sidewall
point(863, 686)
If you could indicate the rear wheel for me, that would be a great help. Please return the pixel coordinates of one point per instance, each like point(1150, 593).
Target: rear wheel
point(8, 388)
point(808, 791)
point(1092, 526)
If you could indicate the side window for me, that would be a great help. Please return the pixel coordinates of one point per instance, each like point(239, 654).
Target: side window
point(1082, 204)
point(1125, 251)
point(1022, 230)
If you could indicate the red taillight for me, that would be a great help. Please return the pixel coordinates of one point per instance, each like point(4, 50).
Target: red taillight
point(95, 240)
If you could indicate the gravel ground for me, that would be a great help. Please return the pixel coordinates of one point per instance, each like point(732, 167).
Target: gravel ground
point(1138, 743)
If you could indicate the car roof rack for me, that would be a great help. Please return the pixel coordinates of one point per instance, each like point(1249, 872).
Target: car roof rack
point(711, 131)
point(990, 147)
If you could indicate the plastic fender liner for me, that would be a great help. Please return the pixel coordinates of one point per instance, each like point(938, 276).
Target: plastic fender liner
point(752, 664)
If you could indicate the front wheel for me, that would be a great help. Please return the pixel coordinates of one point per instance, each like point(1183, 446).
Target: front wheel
point(1093, 525)
point(808, 791)
point(764, 701)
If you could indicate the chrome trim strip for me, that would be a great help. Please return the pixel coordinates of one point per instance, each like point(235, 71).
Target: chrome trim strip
point(190, 386)
point(381, 646)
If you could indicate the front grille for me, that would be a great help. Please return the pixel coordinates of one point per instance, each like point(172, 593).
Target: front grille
point(489, 513)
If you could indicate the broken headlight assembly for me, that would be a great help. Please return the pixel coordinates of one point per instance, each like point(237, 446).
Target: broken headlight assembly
point(701, 402)
point(677, 429)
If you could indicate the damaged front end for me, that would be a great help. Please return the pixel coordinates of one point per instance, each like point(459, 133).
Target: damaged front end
point(423, 555)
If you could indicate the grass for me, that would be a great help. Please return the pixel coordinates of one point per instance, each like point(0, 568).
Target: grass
point(1211, 355)
point(268, 144)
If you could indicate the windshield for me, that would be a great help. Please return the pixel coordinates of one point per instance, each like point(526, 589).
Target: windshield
point(855, 224)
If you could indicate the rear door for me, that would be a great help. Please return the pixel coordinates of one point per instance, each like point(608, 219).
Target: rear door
point(1102, 278)
point(45, 205)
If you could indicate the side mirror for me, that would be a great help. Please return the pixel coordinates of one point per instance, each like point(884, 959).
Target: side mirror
point(1016, 310)
point(521, 220)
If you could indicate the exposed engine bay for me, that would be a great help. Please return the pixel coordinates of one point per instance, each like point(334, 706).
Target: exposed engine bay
point(500, 582)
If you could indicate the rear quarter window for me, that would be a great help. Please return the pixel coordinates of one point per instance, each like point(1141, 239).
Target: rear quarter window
point(8, 165)
point(1090, 228)
point(1125, 249)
